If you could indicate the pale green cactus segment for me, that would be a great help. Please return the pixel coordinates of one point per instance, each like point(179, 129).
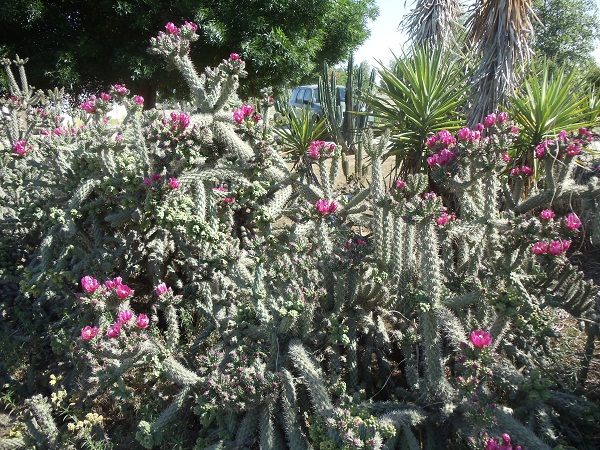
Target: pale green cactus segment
point(312, 377)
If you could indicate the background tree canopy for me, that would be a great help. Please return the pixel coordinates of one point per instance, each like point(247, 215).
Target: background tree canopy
point(88, 44)
point(568, 31)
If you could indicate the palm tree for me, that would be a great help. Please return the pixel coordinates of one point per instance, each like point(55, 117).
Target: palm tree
point(500, 32)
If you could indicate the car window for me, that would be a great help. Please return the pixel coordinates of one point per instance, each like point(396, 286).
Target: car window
point(294, 95)
point(307, 95)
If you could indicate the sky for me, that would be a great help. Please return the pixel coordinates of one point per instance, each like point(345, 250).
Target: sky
point(385, 37)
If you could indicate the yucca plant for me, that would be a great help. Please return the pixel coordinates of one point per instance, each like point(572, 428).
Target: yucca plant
point(433, 22)
point(297, 134)
point(422, 93)
point(547, 104)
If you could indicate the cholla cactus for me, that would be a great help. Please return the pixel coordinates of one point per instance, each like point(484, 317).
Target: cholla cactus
point(284, 314)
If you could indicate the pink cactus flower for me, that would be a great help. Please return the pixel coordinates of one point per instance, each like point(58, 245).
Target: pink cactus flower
point(573, 222)
point(228, 200)
point(147, 182)
point(125, 316)
point(124, 291)
point(155, 177)
point(238, 116)
point(490, 120)
point(540, 151)
point(480, 338)
point(526, 170)
point(161, 289)
point(234, 56)
point(192, 25)
point(89, 333)
point(515, 171)
point(505, 157)
point(106, 97)
point(443, 219)
point(20, 147)
point(400, 184)
point(464, 134)
point(555, 248)
point(138, 99)
point(111, 284)
point(173, 183)
point(171, 28)
point(120, 89)
point(88, 106)
point(118, 138)
point(247, 110)
point(90, 284)
point(325, 207)
point(114, 330)
point(566, 245)
point(547, 214)
point(431, 141)
point(506, 445)
point(539, 248)
point(491, 445)
point(143, 321)
point(562, 136)
point(502, 117)
point(573, 150)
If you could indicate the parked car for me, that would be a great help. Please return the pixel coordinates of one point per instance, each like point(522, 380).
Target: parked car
point(309, 96)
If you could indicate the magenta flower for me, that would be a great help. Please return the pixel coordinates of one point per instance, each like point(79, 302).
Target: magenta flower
point(138, 99)
point(515, 171)
point(161, 289)
point(464, 134)
point(573, 150)
point(234, 56)
point(20, 147)
point(104, 96)
point(443, 219)
point(505, 157)
point(143, 321)
point(125, 316)
point(539, 248)
point(156, 177)
point(111, 284)
point(502, 117)
point(114, 330)
point(229, 200)
point(120, 89)
point(238, 116)
point(562, 136)
point(325, 207)
point(555, 248)
point(192, 25)
point(491, 445)
point(118, 138)
point(89, 333)
point(147, 182)
point(247, 110)
point(173, 183)
point(573, 222)
point(480, 338)
point(171, 28)
point(88, 106)
point(526, 170)
point(400, 184)
point(431, 141)
point(90, 284)
point(124, 291)
point(489, 120)
point(540, 151)
point(547, 214)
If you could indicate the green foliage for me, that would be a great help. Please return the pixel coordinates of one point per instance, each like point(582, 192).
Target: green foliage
point(224, 302)
point(86, 46)
point(567, 32)
point(422, 93)
point(548, 103)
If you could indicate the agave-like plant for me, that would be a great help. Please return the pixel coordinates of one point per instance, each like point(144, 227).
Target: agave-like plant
point(299, 131)
point(422, 93)
point(546, 104)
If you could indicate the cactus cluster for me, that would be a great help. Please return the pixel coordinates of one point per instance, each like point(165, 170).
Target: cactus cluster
point(222, 302)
